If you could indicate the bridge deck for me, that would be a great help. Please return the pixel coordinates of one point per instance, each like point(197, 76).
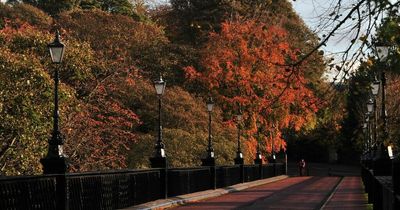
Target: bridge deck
point(293, 193)
point(348, 195)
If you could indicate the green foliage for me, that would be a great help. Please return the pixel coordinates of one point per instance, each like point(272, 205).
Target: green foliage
point(185, 123)
point(121, 42)
point(108, 105)
point(122, 7)
point(53, 7)
point(25, 101)
point(23, 13)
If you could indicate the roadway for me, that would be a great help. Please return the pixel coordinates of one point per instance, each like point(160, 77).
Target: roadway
point(309, 192)
point(328, 186)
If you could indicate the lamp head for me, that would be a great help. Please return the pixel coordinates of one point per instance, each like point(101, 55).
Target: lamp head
point(159, 85)
point(56, 49)
point(370, 105)
point(210, 104)
point(375, 87)
point(382, 51)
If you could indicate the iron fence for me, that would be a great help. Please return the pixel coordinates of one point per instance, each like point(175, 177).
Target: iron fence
point(123, 188)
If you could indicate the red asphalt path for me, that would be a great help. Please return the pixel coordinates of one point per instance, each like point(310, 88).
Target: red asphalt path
point(348, 195)
point(290, 193)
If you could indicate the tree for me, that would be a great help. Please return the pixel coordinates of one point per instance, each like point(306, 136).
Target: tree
point(244, 66)
point(19, 14)
point(25, 100)
point(101, 128)
point(53, 7)
point(86, 119)
point(121, 43)
point(356, 21)
point(184, 125)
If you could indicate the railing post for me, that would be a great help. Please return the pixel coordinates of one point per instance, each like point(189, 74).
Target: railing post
point(62, 192)
point(210, 162)
point(161, 162)
point(286, 166)
point(396, 181)
point(258, 161)
point(240, 161)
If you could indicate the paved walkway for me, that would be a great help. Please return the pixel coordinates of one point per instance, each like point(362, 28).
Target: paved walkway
point(292, 193)
point(348, 195)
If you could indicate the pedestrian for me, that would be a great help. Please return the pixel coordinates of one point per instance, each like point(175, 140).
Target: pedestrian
point(302, 167)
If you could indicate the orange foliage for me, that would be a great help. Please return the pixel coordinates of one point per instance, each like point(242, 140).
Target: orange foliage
point(245, 65)
point(101, 132)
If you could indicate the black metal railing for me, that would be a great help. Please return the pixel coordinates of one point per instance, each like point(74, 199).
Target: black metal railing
point(380, 189)
point(28, 192)
point(188, 180)
point(119, 189)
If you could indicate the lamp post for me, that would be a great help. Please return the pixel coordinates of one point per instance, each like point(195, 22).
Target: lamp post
point(382, 164)
point(365, 130)
point(258, 159)
point(159, 159)
point(210, 159)
point(239, 155)
point(369, 146)
point(55, 161)
point(375, 91)
point(372, 112)
point(273, 157)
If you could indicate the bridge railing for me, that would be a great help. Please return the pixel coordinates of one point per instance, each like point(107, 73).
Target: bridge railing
point(380, 190)
point(122, 188)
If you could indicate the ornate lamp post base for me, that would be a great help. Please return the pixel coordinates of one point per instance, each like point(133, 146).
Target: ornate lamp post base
point(239, 159)
point(272, 159)
point(208, 161)
point(258, 159)
point(158, 162)
point(54, 165)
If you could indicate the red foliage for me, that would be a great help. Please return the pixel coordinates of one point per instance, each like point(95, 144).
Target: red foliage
point(104, 118)
point(245, 65)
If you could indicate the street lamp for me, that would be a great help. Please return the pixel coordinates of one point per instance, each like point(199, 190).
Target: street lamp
point(210, 106)
point(258, 159)
point(55, 161)
point(375, 87)
point(239, 155)
point(382, 164)
point(382, 51)
point(159, 86)
point(159, 159)
point(209, 160)
point(370, 105)
point(365, 130)
point(272, 159)
point(369, 146)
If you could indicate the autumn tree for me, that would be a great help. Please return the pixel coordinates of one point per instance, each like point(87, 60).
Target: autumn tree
point(101, 128)
point(26, 96)
point(184, 127)
point(245, 66)
point(89, 121)
point(24, 13)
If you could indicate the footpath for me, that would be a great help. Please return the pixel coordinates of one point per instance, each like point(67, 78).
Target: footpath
point(339, 191)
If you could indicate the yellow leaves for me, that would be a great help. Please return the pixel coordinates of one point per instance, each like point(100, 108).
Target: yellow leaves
point(363, 38)
point(369, 62)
